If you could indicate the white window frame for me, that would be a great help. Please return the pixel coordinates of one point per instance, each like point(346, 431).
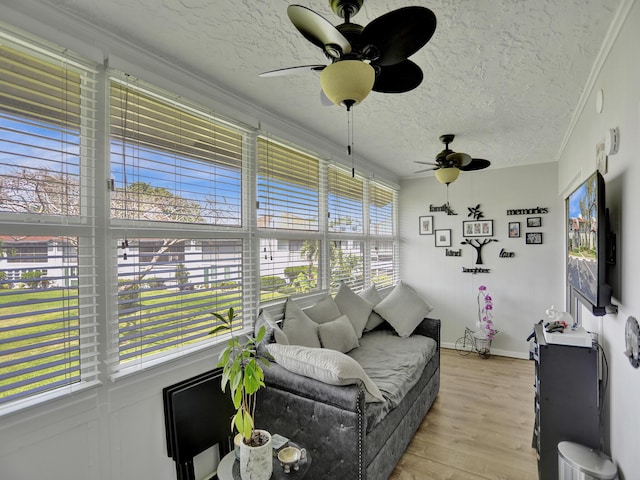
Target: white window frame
point(122, 228)
point(97, 270)
point(82, 227)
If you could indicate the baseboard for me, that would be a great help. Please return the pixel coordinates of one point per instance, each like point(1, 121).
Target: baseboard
point(495, 351)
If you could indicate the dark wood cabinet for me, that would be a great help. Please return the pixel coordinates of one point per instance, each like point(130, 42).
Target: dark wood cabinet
point(567, 398)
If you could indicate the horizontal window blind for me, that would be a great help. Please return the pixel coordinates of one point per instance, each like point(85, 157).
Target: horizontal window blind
point(181, 229)
point(288, 186)
point(345, 201)
point(383, 262)
point(346, 264)
point(48, 318)
point(382, 202)
point(48, 289)
point(47, 127)
point(288, 266)
point(167, 291)
point(170, 163)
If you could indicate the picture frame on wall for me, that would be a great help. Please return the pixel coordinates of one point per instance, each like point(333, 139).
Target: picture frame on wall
point(534, 222)
point(443, 238)
point(477, 228)
point(534, 238)
point(426, 225)
point(514, 229)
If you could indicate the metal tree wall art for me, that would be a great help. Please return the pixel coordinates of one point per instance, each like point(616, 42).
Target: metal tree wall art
point(478, 244)
point(475, 212)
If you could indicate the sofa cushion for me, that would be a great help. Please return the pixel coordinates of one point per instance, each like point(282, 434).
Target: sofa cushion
point(338, 335)
point(394, 364)
point(354, 307)
point(328, 366)
point(324, 311)
point(273, 330)
point(371, 295)
point(298, 327)
point(403, 309)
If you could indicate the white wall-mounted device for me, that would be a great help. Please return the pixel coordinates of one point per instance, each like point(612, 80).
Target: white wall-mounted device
point(611, 141)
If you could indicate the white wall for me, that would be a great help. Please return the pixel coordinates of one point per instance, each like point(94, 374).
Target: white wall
point(522, 287)
point(113, 432)
point(618, 75)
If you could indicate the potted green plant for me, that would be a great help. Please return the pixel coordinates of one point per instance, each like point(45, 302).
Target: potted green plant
point(242, 372)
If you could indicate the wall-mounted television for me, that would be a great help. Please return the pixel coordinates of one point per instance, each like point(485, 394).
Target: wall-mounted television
point(589, 246)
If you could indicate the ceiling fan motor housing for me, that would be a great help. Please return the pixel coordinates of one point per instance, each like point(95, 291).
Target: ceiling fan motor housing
point(441, 158)
point(346, 8)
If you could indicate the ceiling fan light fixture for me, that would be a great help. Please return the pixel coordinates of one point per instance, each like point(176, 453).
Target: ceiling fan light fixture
point(347, 82)
point(447, 175)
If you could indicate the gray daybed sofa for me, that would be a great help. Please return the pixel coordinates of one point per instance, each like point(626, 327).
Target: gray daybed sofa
point(348, 436)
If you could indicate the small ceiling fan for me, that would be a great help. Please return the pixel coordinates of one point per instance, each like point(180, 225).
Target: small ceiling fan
point(374, 57)
point(449, 163)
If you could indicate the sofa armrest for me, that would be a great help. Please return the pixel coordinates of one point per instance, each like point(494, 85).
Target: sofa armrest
point(429, 327)
point(347, 397)
point(326, 419)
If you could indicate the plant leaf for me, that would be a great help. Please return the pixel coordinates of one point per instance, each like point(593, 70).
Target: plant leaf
point(218, 328)
point(261, 333)
point(247, 426)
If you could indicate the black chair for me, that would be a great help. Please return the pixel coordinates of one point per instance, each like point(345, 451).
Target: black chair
point(197, 416)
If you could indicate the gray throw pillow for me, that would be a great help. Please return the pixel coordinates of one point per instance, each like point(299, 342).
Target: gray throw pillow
point(338, 335)
point(272, 328)
point(403, 308)
point(324, 311)
point(299, 329)
point(354, 307)
point(371, 295)
point(327, 366)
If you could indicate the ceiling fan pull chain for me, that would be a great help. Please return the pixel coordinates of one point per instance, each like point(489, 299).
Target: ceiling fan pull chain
point(350, 127)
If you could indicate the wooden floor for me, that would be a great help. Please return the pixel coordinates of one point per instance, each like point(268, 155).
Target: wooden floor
point(480, 425)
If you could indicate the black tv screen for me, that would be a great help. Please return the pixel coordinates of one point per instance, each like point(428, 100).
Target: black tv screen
point(586, 243)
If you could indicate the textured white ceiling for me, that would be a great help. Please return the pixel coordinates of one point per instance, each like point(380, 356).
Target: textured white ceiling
point(505, 76)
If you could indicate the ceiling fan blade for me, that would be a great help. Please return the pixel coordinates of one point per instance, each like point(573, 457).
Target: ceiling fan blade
point(476, 164)
point(291, 70)
point(318, 30)
point(400, 33)
point(426, 163)
point(460, 159)
point(398, 78)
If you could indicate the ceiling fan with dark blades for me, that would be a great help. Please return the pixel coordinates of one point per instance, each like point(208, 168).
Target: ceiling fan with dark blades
point(448, 163)
point(385, 44)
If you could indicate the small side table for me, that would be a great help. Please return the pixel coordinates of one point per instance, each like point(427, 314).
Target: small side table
point(229, 467)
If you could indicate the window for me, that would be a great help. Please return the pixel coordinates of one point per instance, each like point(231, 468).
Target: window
point(345, 202)
point(171, 164)
point(167, 304)
point(288, 272)
point(48, 333)
point(381, 210)
point(42, 133)
point(347, 264)
point(383, 252)
point(383, 259)
point(288, 188)
point(179, 171)
point(169, 220)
